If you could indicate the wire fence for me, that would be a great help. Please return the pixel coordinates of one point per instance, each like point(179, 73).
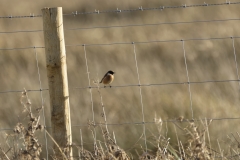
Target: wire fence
point(138, 84)
point(75, 13)
point(130, 25)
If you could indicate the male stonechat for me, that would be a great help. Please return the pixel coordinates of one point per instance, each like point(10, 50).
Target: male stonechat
point(108, 78)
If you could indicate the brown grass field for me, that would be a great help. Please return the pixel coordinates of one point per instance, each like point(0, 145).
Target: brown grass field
point(158, 63)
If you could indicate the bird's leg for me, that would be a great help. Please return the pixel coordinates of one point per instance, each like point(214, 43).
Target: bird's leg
point(110, 86)
point(104, 86)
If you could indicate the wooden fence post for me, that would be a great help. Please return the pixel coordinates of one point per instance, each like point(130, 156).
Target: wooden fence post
point(57, 80)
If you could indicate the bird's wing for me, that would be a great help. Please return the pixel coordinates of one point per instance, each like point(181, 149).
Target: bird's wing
point(104, 77)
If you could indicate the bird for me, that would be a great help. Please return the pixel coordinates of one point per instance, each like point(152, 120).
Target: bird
point(108, 78)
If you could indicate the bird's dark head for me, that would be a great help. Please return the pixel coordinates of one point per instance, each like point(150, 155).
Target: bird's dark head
point(111, 72)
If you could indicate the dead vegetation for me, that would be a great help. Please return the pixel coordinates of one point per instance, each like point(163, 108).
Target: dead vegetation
point(196, 144)
point(26, 145)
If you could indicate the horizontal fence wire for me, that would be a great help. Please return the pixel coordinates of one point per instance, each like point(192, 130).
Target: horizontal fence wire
point(21, 48)
point(128, 85)
point(153, 8)
point(154, 41)
point(215, 157)
point(26, 16)
point(128, 25)
point(145, 123)
point(155, 24)
point(19, 91)
point(23, 31)
point(128, 43)
point(75, 13)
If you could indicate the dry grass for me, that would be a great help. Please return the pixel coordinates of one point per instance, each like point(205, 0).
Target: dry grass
point(26, 145)
point(196, 144)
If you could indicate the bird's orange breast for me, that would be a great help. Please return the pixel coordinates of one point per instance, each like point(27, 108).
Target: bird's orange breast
point(108, 79)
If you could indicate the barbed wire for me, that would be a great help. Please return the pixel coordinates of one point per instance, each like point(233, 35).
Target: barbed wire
point(21, 48)
point(128, 25)
point(26, 16)
point(145, 123)
point(160, 8)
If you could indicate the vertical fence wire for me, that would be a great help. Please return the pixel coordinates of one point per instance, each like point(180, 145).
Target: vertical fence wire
point(43, 112)
point(90, 89)
point(235, 58)
point(140, 91)
point(188, 79)
point(80, 150)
